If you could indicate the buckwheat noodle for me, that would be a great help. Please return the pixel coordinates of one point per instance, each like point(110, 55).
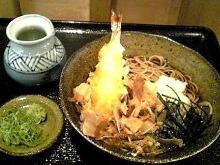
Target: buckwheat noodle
point(156, 65)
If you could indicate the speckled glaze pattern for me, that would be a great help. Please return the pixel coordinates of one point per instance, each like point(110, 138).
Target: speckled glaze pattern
point(51, 127)
point(136, 43)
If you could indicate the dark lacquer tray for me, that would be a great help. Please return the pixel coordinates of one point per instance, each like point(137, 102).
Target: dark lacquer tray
point(71, 148)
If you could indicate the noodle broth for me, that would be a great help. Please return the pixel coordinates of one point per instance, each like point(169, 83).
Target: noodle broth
point(141, 44)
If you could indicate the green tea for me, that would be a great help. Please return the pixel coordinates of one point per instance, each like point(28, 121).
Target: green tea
point(31, 34)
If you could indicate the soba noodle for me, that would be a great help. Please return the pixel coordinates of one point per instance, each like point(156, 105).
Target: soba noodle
point(118, 130)
point(140, 105)
point(155, 66)
point(152, 68)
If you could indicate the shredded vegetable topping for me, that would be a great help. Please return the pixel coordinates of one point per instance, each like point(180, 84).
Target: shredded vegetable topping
point(22, 126)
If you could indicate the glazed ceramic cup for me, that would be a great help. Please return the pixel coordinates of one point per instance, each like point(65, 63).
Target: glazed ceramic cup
point(34, 55)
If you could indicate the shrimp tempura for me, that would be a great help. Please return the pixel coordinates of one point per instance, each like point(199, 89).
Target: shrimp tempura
point(107, 82)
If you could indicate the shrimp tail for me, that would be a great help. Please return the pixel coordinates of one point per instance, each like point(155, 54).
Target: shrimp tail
point(116, 26)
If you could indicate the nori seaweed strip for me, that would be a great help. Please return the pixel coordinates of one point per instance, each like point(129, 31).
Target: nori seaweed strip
point(187, 128)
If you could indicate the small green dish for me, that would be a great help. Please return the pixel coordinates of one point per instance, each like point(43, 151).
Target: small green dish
point(51, 127)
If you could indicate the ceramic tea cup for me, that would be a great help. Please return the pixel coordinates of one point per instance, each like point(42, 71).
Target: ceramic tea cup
point(34, 55)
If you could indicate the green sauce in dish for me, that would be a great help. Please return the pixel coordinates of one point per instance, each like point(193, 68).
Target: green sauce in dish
point(23, 125)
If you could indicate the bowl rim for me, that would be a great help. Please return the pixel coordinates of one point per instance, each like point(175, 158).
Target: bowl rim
point(94, 142)
point(57, 114)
